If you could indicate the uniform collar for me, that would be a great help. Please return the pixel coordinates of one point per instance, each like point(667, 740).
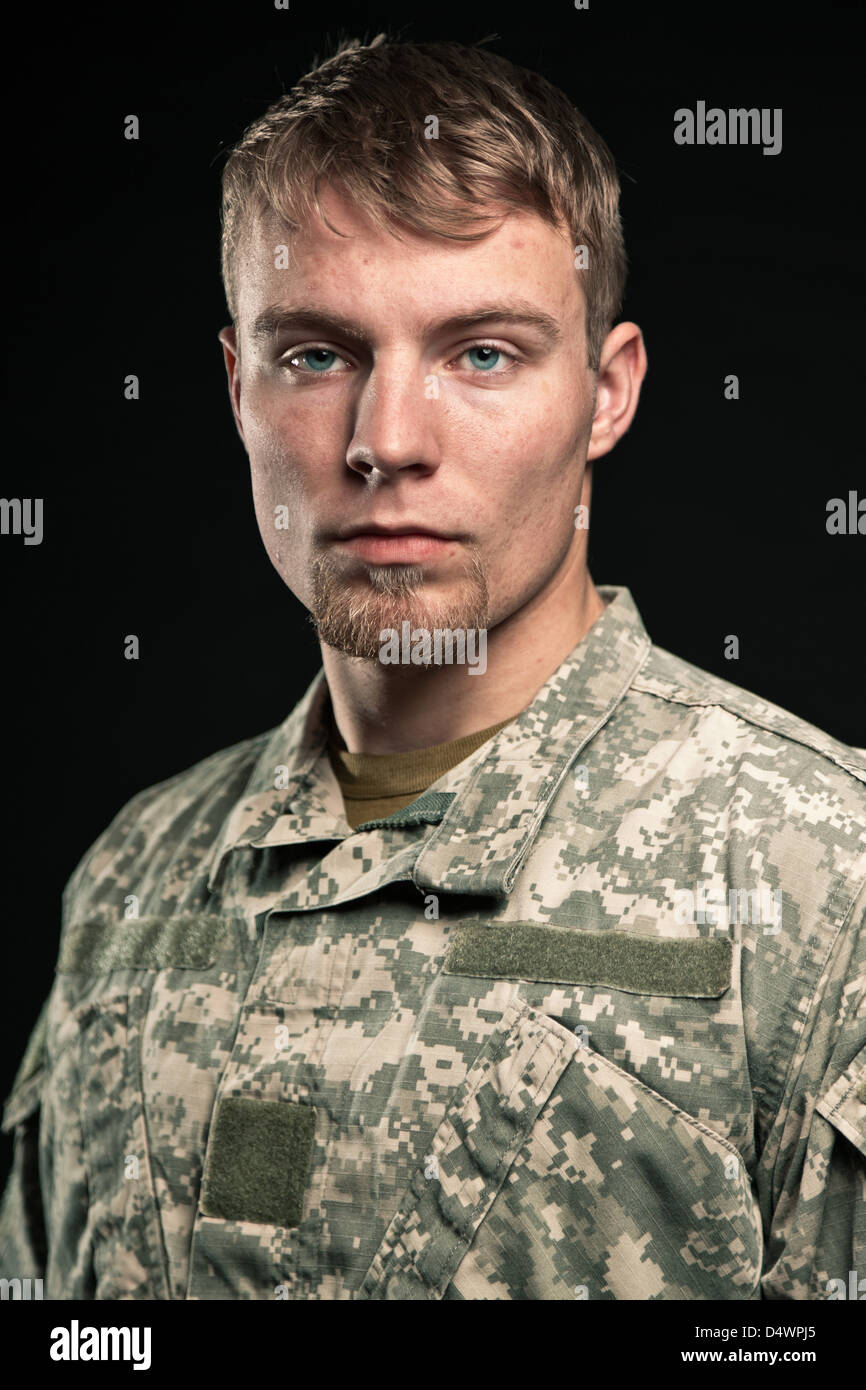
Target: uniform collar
point(489, 807)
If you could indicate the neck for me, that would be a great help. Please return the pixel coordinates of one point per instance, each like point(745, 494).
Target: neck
point(397, 708)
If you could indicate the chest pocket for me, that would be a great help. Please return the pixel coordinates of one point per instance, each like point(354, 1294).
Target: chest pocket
point(106, 978)
point(556, 1173)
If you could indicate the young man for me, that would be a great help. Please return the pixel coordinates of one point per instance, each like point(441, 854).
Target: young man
point(524, 960)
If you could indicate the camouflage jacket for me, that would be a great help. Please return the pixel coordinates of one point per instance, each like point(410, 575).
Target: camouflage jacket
point(586, 1020)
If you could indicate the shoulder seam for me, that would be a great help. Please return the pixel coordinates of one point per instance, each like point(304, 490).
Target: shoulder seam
point(141, 802)
point(709, 701)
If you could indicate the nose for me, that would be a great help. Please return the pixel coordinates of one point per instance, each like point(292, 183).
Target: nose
point(396, 419)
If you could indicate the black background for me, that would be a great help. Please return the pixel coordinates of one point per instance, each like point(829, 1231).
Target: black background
point(713, 513)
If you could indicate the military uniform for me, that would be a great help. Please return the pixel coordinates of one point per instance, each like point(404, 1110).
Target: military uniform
point(477, 1049)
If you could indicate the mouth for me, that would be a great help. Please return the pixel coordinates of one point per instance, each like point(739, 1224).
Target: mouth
point(406, 545)
point(373, 528)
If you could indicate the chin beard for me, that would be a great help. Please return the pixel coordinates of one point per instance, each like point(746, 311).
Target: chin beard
point(351, 616)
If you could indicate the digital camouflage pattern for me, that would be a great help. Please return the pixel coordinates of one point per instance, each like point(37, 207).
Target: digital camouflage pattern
point(287, 1077)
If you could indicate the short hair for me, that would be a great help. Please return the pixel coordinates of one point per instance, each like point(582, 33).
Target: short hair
point(506, 137)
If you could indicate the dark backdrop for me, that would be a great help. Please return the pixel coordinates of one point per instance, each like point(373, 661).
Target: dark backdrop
point(713, 513)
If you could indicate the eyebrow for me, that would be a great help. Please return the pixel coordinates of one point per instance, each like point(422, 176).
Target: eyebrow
point(278, 317)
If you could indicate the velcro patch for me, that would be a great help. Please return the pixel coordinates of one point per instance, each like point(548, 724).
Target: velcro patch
point(697, 968)
point(259, 1161)
point(95, 947)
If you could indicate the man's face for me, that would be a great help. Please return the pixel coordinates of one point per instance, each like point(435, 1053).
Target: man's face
point(401, 419)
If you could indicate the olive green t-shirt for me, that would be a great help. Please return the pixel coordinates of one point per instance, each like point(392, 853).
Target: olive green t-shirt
point(374, 785)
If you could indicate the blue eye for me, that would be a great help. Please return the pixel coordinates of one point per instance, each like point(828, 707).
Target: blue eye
point(486, 362)
point(484, 358)
point(318, 366)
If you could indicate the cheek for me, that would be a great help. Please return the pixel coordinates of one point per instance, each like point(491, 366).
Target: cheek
point(283, 424)
point(287, 452)
point(546, 419)
point(530, 450)
point(278, 492)
point(535, 475)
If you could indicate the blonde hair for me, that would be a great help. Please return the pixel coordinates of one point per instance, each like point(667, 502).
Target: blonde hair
point(506, 137)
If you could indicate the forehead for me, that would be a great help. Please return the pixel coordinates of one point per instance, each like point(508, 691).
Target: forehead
point(523, 256)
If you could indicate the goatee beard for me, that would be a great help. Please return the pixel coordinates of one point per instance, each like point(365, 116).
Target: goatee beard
point(351, 616)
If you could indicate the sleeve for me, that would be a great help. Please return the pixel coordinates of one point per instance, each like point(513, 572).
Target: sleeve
point(23, 1244)
point(26, 1235)
point(815, 1247)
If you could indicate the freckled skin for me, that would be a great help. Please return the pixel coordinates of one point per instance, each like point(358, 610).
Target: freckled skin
point(500, 458)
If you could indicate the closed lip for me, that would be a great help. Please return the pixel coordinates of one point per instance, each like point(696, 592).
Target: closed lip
point(402, 530)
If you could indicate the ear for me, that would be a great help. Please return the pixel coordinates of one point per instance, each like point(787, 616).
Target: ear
point(622, 368)
point(232, 358)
